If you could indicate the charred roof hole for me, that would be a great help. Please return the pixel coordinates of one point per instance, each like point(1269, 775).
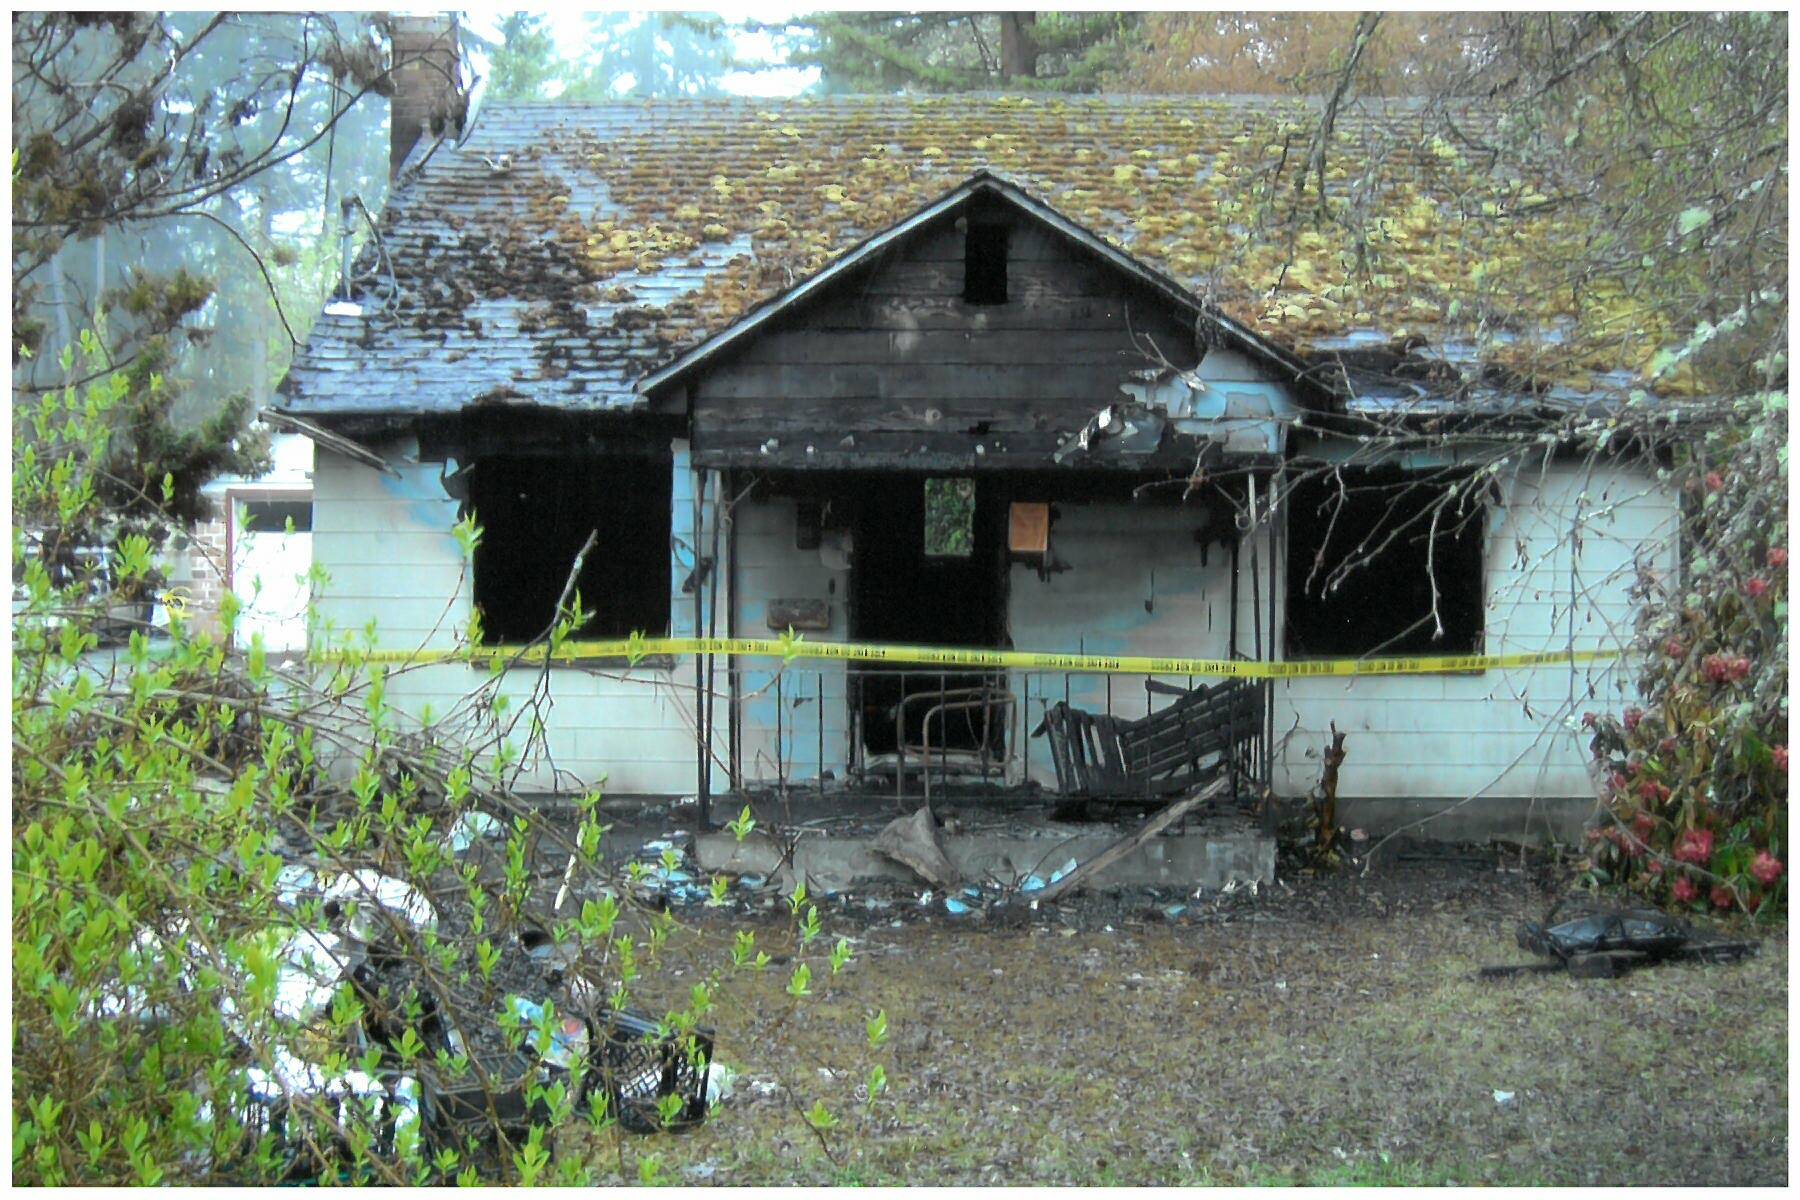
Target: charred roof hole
point(536, 513)
point(1362, 557)
point(984, 263)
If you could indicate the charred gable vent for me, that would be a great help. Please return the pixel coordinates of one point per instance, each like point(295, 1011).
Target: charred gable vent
point(984, 263)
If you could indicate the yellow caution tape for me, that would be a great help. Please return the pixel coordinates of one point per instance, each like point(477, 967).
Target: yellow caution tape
point(635, 649)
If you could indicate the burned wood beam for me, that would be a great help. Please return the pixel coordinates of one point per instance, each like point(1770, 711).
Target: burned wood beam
point(335, 442)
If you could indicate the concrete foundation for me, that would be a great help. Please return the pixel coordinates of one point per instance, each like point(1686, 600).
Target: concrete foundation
point(1209, 855)
point(1533, 821)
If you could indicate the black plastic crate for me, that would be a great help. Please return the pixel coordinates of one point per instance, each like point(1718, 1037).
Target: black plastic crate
point(638, 1066)
point(304, 1140)
point(492, 1093)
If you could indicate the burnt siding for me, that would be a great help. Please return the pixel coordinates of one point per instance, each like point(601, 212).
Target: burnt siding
point(893, 365)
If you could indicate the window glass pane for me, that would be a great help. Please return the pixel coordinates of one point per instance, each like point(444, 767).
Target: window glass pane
point(272, 516)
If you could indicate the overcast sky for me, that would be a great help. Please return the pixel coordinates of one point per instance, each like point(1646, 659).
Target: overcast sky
point(570, 30)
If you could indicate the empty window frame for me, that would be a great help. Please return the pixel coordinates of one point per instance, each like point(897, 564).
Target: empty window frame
point(272, 516)
point(536, 513)
point(984, 263)
point(1362, 555)
point(949, 518)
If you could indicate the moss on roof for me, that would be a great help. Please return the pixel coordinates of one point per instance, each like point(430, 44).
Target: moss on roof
point(677, 217)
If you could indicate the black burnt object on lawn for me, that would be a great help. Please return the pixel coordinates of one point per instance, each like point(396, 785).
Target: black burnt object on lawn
point(1594, 940)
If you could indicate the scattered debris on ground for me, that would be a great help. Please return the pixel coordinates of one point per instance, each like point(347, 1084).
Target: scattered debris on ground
point(1330, 1028)
point(913, 842)
point(523, 1009)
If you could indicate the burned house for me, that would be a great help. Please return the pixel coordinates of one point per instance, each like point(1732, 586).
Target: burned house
point(969, 372)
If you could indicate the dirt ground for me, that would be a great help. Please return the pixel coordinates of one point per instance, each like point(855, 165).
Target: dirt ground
point(1328, 1030)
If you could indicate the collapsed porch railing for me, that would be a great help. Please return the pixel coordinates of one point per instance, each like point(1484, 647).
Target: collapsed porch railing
point(916, 733)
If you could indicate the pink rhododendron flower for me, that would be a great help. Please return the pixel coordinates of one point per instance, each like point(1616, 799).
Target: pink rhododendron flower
point(1632, 717)
point(1779, 754)
point(1766, 868)
point(1722, 897)
point(1685, 892)
point(1756, 587)
point(1714, 481)
point(1643, 825)
point(1694, 846)
point(1776, 558)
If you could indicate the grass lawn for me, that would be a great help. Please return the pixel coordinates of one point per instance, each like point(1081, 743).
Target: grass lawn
point(1330, 1032)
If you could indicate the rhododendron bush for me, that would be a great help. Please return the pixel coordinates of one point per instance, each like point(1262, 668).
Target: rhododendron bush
point(1695, 780)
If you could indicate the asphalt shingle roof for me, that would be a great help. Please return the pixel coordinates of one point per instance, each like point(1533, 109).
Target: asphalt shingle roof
point(562, 251)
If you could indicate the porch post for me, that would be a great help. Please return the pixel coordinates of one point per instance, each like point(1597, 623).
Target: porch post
point(702, 738)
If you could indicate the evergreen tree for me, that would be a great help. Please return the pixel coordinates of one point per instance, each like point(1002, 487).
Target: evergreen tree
point(653, 55)
point(960, 51)
point(524, 64)
point(179, 174)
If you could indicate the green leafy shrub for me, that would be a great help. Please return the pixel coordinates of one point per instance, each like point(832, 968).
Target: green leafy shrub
point(205, 842)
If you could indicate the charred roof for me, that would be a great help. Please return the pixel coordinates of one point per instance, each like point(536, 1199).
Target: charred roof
point(561, 253)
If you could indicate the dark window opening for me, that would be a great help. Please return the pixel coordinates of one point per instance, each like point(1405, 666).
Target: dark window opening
point(984, 264)
point(272, 516)
point(949, 518)
point(1362, 558)
point(536, 513)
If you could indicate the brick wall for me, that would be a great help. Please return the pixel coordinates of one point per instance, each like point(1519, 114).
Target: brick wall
point(198, 563)
point(426, 82)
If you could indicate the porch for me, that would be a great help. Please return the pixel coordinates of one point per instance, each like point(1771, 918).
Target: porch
point(1082, 743)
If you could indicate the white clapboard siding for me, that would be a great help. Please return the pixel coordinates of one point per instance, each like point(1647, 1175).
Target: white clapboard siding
point(1563, 553)
point(391, 557)
point(1135, 585)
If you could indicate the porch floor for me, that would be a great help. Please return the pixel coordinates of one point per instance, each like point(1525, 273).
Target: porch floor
point(994, 845)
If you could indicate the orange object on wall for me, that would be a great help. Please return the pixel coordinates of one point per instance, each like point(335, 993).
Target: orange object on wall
point(1028, 529)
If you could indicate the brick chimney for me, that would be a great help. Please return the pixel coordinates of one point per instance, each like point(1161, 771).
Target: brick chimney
point(428, 86)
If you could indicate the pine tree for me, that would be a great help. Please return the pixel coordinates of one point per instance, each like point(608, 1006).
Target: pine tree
point(960, 51)
point(524, 64)
point(653, 55)
point(176, 174)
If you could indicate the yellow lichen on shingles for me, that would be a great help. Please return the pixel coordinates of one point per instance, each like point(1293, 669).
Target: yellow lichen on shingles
point(1203, 190)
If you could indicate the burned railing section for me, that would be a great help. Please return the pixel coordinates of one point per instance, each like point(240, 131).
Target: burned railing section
point(924, 733)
